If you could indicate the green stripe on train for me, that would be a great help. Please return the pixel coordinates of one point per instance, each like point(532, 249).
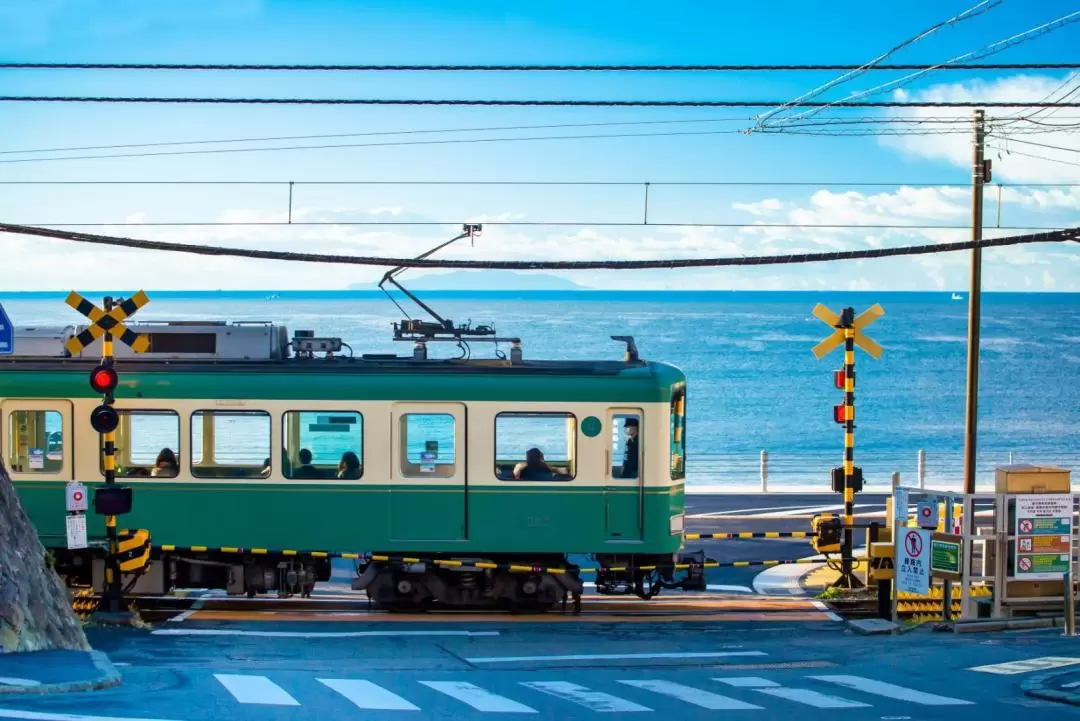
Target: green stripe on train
point(653, 383)
point(385, 518)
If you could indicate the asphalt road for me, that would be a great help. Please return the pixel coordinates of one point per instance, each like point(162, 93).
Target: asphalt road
point(694, 671)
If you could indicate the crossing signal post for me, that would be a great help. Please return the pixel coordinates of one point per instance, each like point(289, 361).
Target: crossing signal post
point(847, 479)
point(110, 500)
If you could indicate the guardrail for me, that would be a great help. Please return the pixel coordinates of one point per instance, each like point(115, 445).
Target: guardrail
point(778, 469)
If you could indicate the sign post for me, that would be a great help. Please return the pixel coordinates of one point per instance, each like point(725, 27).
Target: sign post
point(847, 479)
point(111, 500)
point(76, 505)
point(7, 334)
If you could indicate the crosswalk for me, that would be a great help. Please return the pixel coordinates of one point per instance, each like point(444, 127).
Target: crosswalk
point(642, 695)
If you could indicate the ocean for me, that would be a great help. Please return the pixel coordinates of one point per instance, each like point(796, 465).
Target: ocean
point(753, 382)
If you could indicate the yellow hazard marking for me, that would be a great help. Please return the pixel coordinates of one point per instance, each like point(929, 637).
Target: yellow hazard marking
point(1027, 665)
point(111, 322)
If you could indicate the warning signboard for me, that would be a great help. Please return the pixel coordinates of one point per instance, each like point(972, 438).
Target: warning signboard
point(76, 497)
point(1043, 536)
point(913, 561)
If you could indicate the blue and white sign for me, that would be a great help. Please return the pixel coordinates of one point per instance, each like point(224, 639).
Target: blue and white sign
point(7, 334)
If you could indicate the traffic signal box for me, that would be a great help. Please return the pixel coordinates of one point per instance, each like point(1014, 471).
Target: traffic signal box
point(827, 528)
point(110, 499)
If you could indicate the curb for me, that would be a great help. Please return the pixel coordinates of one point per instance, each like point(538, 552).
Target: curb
point(1036, 688)
point(109, 678)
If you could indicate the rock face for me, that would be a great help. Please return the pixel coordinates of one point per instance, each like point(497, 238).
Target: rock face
point(35, 614)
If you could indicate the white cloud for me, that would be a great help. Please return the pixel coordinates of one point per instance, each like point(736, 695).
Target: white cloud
point(1011, 159)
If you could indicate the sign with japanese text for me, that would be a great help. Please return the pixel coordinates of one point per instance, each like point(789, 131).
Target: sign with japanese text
point(946, 551)
point(1043, 536)
point(913, 561)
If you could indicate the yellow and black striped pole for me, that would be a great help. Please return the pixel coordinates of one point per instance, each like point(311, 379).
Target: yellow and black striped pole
point(113, 594)
point(847, 321)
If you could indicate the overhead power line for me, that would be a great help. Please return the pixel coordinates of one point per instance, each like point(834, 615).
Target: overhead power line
point(524, 68)
point(527, 103)
point(1059, 236)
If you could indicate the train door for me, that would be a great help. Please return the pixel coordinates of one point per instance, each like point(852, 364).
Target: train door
point(429, 489)
point(624, 491)
point(35, 440)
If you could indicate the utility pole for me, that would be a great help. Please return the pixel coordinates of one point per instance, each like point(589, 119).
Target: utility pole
point(980, 174)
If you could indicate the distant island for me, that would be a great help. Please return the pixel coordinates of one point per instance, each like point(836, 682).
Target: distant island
point(481, 280)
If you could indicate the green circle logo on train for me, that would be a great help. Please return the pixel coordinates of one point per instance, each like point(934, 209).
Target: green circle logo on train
point(591, 426)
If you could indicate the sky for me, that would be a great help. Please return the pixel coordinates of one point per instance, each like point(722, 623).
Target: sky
point(776, 185)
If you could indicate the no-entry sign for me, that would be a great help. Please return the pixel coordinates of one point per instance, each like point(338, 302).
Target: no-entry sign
point(913, 561)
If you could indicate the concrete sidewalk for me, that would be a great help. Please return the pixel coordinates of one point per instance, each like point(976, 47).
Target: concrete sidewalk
point(48, 672)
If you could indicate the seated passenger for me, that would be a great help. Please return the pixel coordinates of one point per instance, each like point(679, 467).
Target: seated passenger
point(265, 472)
point(349, 467)
point(166, 465)
point(305, 469)
point(534, 468)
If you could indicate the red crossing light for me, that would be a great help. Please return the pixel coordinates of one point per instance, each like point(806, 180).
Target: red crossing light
point(103, 380)
point(840, 379)
point(839, 414)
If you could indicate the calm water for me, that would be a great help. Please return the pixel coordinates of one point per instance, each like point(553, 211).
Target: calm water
point(754, 383)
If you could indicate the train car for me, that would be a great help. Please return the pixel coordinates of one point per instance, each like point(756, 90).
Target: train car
point(242, 436)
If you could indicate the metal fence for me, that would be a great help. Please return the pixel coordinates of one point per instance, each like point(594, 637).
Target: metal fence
point(778, 470)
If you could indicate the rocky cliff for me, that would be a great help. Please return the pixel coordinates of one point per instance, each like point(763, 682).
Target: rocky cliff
point(35, 613)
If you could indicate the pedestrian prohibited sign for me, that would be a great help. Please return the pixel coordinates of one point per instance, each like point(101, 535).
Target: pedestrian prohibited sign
point(913, 561)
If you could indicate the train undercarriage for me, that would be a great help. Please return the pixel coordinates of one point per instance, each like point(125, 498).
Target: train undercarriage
point(488, 581)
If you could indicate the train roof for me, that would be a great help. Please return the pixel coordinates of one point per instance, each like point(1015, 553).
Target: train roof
point(256, 359)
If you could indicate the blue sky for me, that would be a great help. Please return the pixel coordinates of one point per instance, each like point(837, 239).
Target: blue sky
point(248, 31)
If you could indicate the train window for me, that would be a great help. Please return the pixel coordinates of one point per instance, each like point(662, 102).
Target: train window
point(147, 444)
point(678, 435)
point(428, 441)
point(230, 444)
point(36, 441)
point(323, 444)
point(519, 435)
point(625, 453)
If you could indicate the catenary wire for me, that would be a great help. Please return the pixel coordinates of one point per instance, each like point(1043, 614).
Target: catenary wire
point(1059, 236)
point(523, 68)
point(509, 182)
point(522, 103)
point(522, 224)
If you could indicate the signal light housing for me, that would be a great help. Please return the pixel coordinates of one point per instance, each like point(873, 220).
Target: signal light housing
point(840, 379)
point(838, 479)
point(104, 419)
point(112, 500)
point(103, 380)
point(839, 414)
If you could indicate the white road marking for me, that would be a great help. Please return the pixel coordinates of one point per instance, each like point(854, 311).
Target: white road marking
point(822, 607)
point(14, 681)
point(710, 587)
point(1026, 665)
point(256, 690)
point(38, 716)
point(880, 688)
point(611, 656)
point(748, 682)
point(311, 634)
point(697, 697)
point(197, 606)
point(367, 695)
point(592, 700)
point(478, 698)
point(812, 698)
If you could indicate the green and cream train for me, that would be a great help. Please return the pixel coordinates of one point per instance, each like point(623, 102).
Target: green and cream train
point(238, 436)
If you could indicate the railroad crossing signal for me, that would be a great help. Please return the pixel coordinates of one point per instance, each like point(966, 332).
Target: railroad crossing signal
point(835, 340)
point(110, 500)
point(847, 479)
point(110, 321)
